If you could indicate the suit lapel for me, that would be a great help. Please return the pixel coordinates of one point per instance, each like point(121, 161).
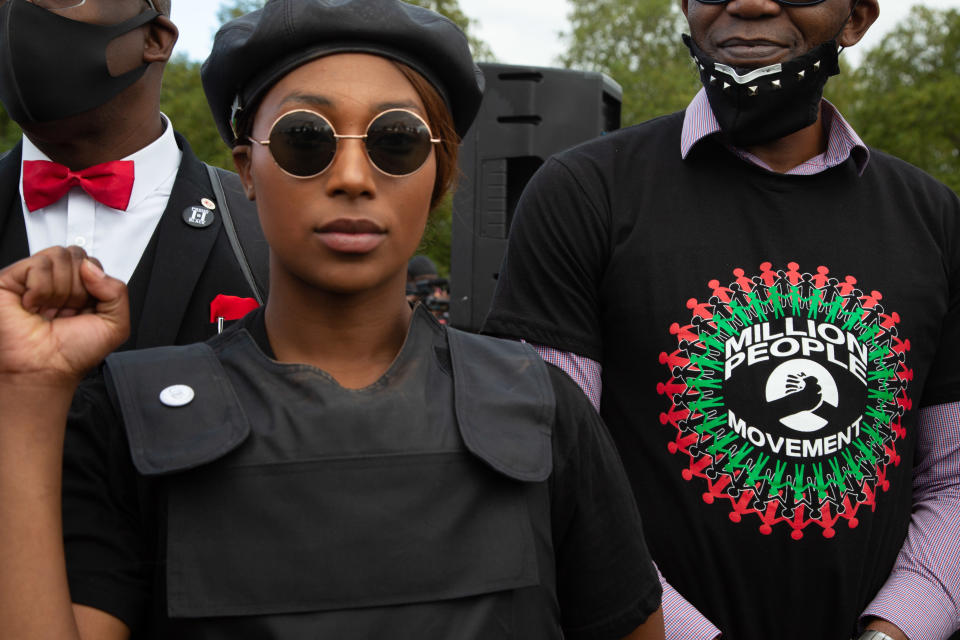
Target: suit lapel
point(13, 232)
point(182, 252)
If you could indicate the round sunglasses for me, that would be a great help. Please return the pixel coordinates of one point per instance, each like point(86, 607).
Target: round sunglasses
point(789, 3)
point(303, 143)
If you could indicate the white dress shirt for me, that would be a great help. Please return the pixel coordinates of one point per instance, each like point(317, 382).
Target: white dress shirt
point(117, 238)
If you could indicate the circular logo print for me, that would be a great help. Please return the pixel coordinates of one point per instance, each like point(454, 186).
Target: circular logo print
point(786, 392)
point(802, 376)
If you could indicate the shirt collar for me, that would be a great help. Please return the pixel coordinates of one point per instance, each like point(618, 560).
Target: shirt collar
point(154, 164)
point(842, 141)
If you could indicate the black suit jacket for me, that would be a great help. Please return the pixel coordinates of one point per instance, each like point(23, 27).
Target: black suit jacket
point(183, 268)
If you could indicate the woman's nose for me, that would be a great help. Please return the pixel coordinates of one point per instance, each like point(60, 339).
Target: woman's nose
point(351, 173)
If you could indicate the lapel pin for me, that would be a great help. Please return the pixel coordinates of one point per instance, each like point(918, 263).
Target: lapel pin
point(209, 204)
point(198, 217)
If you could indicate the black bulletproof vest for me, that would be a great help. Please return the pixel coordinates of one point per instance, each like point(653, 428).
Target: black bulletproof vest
point(416, 508)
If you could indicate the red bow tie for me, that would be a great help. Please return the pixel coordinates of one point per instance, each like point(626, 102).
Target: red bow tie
point(46, 182)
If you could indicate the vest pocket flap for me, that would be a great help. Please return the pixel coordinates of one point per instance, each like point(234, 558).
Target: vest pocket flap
point(504, 403)
point(344, 534)
point(178, 407)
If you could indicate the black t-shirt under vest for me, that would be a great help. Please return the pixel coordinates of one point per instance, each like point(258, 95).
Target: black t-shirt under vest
point(766, 343)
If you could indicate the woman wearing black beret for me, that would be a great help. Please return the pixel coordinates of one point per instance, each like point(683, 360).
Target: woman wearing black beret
point(335, 464)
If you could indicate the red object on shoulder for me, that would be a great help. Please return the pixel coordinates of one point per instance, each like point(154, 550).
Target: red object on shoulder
point(231, 307)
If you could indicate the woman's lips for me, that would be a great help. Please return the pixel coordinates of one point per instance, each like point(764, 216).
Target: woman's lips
point(347, 235)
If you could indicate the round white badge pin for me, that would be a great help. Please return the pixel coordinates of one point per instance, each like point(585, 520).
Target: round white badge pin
point(177, 395)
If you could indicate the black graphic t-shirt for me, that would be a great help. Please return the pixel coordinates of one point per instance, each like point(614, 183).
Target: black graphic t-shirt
point(766, 343)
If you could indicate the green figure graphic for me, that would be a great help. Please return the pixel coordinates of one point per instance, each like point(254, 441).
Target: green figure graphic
point(869, 333)
point(702, 382)
point(881, 373)
point(834, 309)
point(814, 304)
point(711, 343)
point(879, 354)
point(757, 307)
point(775, 302)
point(701, 405)
point(754, 476)
point(740, 312)
point(725, 326)
point(703, 362)
point(795, 299)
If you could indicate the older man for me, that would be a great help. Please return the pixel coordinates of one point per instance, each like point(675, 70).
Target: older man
point(773, 311)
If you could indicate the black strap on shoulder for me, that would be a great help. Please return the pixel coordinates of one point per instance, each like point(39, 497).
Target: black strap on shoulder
point(245, 236)
point(149, 387)
point(504, 403)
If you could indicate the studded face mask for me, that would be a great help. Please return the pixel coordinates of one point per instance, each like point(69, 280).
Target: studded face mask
point(768, 103)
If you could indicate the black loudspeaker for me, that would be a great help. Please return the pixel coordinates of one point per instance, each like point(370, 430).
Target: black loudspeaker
point(527, 114)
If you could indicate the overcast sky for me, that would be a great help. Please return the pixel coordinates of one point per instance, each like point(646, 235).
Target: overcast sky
point(518, 31)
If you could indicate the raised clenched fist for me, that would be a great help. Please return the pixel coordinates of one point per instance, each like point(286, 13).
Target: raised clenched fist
point(60, 315)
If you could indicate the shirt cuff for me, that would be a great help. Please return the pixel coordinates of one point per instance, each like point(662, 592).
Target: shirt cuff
point(915, 605)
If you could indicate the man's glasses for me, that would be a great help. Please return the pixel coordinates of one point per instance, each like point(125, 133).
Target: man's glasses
point(789, 3)
point(56, 5)
point(303, 143)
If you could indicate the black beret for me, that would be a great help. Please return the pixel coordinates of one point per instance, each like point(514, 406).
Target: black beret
point(250, 54)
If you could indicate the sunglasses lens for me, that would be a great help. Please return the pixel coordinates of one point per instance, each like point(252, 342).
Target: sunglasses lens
point(302, 143)
point(398, 142)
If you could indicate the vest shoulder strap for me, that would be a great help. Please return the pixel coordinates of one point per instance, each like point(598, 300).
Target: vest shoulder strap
point(504, 403)
point(178, 406)
point(242, 227)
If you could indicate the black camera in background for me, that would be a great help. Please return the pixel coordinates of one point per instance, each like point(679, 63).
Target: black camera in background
point(527, 114)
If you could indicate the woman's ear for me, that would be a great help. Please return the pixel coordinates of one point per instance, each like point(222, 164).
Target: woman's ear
point(241, 160)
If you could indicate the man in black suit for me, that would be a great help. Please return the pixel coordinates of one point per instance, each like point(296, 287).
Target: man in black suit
point(99, 166)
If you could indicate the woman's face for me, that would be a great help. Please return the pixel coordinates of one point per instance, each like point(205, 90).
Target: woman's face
point(350, 229)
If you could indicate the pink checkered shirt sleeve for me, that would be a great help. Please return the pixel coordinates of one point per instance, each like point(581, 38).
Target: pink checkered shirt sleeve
point(922, 594)
point(584, 371)
point(680, 618)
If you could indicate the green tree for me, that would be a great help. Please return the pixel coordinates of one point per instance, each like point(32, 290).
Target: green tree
point(451, 8)
point(185, 104)
point(903, 97)
point(637, 43)
point(230, 10)
point(9, 131)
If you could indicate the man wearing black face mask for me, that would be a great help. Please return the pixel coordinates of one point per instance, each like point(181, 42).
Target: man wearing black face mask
point(100, 167)
point(772, 310)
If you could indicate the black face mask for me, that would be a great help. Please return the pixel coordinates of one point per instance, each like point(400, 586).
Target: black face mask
point(769, 103)
point(52, 67)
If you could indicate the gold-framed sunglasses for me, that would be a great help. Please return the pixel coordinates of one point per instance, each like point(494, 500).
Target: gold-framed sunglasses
point(303, 143)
